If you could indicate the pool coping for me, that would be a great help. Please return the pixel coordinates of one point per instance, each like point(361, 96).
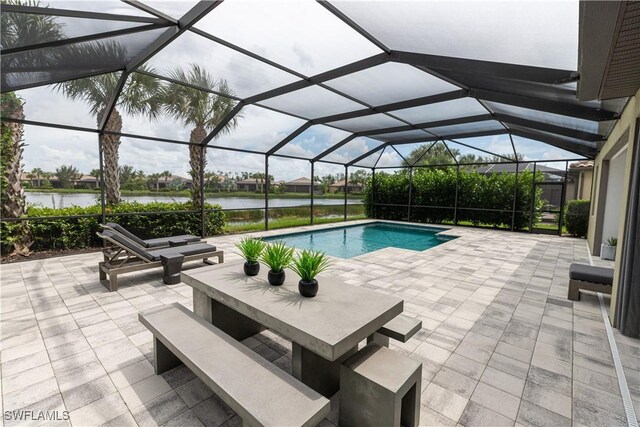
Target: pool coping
point(327, 227)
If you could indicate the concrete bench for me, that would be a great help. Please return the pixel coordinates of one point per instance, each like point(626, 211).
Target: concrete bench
point(258, 391)
point(589, 278)
point(380, 387)
point(399, 328)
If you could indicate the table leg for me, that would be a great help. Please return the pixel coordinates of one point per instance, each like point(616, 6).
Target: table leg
point(320, 374)
point(224, 318)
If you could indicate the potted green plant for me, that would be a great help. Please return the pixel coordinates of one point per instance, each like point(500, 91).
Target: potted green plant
point(608, 250)
point(277, 257)
point(308, 264)
point(251, 249)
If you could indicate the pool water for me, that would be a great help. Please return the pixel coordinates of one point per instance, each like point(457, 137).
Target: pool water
point(354, 240)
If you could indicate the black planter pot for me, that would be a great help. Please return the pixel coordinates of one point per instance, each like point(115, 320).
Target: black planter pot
point(251, 268)
point(308, 289)
point(276, 279)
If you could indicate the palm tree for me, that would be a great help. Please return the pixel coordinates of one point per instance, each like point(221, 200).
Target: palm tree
point(37, 174)
point(14, 202)
point(96, 174)
point(140, 96)
point(166, 175)
point(154, 180)
point(200, 109)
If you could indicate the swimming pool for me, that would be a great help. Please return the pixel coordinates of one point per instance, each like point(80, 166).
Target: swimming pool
point(354, 240)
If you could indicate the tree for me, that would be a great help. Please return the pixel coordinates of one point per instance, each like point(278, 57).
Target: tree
point(37, 174)
point(14, 203)
point(96, 174)
point(212, 180)
point(140, 96)
point(203, 110)
point(153, 181)
point(166, 175)
point(438, 154)
point(359, 177)
point(68, 175)
point(325, 182)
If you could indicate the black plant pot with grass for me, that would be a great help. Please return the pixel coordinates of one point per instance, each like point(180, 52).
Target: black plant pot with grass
point(251, 268)
point(307, 265)
point(308, 289)
point(251, 249)
point(276, 278)
point(277, 256)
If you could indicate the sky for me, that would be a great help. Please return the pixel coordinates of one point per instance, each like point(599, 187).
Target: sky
point(305, 37)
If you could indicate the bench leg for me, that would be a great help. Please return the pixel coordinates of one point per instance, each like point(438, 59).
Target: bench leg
point(379, 339)
point(111, 283)
point(574, 290)
point(163, 358)
point(102, 274)
point(320, 374)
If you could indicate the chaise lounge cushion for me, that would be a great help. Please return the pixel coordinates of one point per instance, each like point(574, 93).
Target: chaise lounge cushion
point(193, 249)
point(151, 243)
point(589, 273)
point(155, 254)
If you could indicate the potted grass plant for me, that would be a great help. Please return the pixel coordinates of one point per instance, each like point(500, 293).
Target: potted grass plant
point(608, 250)
point(251, 250)
point(277, 257)
point(308, 264)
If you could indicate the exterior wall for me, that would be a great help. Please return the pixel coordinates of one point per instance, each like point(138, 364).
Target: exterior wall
point(626, 123)
point(611, 225)
point(584, 192)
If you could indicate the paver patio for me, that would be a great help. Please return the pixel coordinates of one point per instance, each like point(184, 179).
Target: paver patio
point(500, 344)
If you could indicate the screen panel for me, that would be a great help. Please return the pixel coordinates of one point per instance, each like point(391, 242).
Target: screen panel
point(532, 150)
point(366, 123)
point(244, 75)
point(527, 33)
point(462, 107)
point(352, 150)
point(551, 118)
point(301, 35)
point(402, 136)
point(258, 130)
point(27, 29)
point(392, 81)
point(52, 64)
point(312, 102)
point(72, 104)
point(313, 141)
point(487, 125)
point(495, 145)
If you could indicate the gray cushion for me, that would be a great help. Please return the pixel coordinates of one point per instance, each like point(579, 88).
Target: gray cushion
point(138, 250)
point(589, 273)
point(126, 233)
point(192, 249)
point(164, 241)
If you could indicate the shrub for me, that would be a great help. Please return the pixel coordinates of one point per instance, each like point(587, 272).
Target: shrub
point(576, 217)
point(78, 233)
point(482, 199)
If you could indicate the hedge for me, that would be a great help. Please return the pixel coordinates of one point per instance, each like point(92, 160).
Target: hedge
point(482, 199)
point(78, 233)
point(576, 217)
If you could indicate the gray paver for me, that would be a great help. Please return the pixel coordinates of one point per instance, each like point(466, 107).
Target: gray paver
point(493, 306)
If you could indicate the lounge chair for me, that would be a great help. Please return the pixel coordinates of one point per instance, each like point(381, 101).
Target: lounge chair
point(161, 242)
point(589, 278)
point(126, 256)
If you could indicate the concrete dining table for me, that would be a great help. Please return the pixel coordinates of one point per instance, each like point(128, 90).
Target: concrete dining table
point(324, 330)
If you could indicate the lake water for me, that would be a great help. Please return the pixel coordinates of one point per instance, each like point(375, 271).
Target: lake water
point(63, 200)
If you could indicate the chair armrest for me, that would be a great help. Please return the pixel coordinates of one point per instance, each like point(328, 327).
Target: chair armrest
point(173, 243)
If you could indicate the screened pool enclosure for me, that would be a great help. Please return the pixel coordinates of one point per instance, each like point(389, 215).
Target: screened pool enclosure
point(306, 86)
